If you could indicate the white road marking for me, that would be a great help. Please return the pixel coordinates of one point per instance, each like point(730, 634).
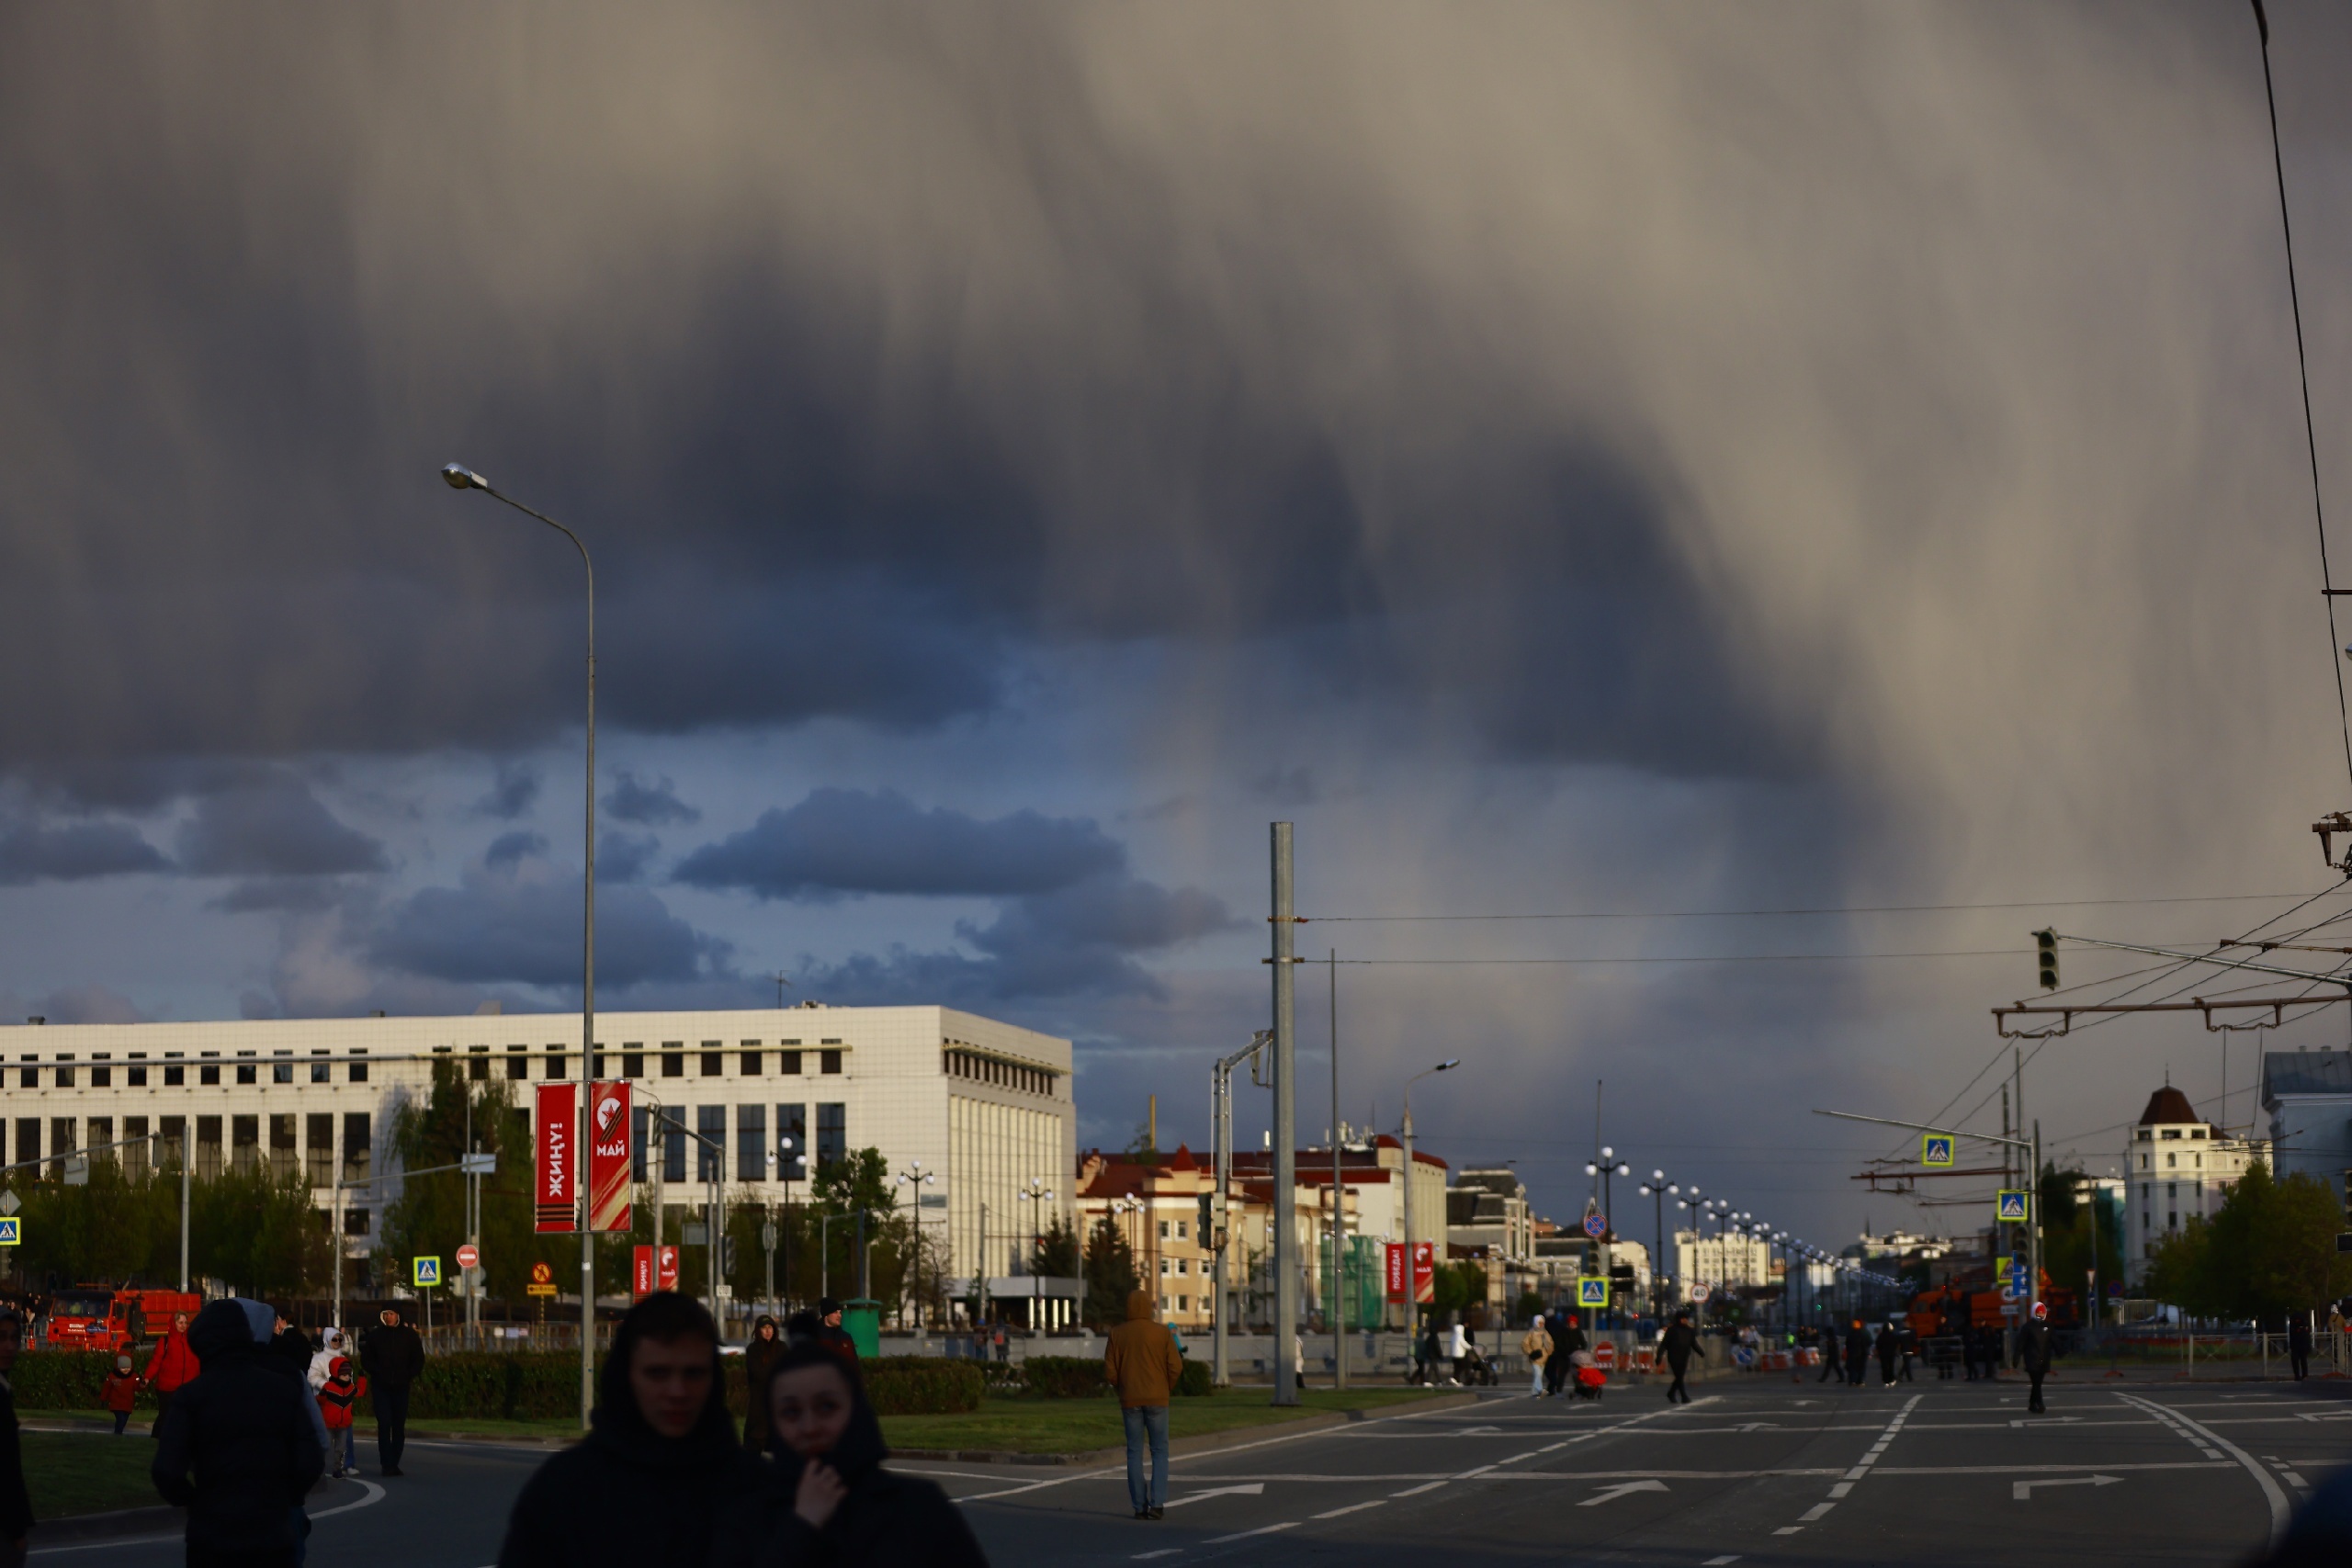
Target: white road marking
point(1163, 1552)
point(1722, 1562)
point(1789, 1529)
point(2046, 1469)
point(1353, 1508)
point(1817, 1511)
point(1245, 1535)
point(1610, 1494)
point(2023, 1491)
point(373, 1494)
point(1249, 1489)
point(1416, 1490)
point(2271, 1490)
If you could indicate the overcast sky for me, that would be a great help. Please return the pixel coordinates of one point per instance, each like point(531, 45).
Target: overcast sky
point(1567, 458)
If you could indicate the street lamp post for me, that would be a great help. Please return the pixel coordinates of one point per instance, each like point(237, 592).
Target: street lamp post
point(461, 477)
point(1035, 1193)
point(915, 1176)
point(782, 1159)
point(1656, 1189)
point(1412, 1280)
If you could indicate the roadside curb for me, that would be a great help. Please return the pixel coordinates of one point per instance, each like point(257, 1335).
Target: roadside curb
point(1204, 1443)
point(122, 1521)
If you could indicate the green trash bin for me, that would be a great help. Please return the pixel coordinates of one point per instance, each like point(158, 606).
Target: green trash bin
point(862, 1319)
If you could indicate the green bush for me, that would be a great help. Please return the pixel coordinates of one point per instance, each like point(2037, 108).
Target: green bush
point(1195, 1383)
point(1063, 1377)
point(65, 1379)
point(921, 1385)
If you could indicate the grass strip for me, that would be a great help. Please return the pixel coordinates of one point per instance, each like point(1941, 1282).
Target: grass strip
point(88, 1472)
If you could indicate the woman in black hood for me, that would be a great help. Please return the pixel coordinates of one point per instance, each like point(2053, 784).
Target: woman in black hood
point(759, 1358)
point(660, 1465)
point(828, 1500)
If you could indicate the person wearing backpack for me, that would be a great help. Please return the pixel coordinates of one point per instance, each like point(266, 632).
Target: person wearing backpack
point(343, 1390)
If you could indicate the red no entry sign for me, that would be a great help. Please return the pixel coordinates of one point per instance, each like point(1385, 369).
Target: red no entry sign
point(469, 1256)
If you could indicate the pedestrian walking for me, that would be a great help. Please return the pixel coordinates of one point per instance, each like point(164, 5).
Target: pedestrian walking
point(826, 1498)
point(119, 1393)
point(1907, 1341)
point(759, 1360)
point(16, 1508)
point(242, 1444)
point(2033, 1352)
point(1457, 1350)
point(1426, 1352)
point(2298, 1346)
point(1679, 1342)
point(1889, 1345)
point(1857, 1354)
point(1536, 1346)
point(290, 1342)
point(393, 1358)
point(1140, 1361)
point(336, 1397)
point(661, 1460)
point(1567, 1343)
point(1297, 1356)
point(834, 1338)
point(171, 1367)
point(1833, 1357)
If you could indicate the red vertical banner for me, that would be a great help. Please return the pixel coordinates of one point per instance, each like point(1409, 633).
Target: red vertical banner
point(555, 1188)
point(1425, 1271)
point(666, 1270)
point(1396, 1272)
point(640, 1273)
point(609, 1161)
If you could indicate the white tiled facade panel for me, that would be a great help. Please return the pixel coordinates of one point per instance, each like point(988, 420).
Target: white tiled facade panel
point(316, 1095)
point(1002, 1150)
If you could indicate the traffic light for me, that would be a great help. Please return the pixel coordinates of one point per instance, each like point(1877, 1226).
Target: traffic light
point(2046, 943)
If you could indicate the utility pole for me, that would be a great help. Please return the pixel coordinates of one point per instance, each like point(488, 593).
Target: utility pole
point(1286, 1124)
point(1339, 1306)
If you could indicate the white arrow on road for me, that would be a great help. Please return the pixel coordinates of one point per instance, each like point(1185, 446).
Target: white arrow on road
point(1255, 1489)
point(2024, 1489)
point(1610, 1494)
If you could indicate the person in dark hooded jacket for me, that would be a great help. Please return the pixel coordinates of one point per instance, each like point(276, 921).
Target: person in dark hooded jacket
point(1857, 1354)
point(827, 1499)
point(661, 1463)
point(759, 1356)
point(242, 1444)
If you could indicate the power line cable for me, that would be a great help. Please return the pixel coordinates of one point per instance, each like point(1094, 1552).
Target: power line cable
point(1822, 909)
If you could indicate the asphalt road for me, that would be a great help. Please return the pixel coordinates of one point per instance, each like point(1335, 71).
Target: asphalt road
point(1754, 1472)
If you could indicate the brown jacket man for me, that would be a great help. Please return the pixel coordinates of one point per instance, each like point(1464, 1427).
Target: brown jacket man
point(1140, 1360)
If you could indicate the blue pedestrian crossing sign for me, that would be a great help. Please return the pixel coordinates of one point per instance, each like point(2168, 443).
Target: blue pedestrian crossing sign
point(1592, 1289)
point(1935, 1148)
point(10, 1232)
point(428, 1272)
point(2010, 1207)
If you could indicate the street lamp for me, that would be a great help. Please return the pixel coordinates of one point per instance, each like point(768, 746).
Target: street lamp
point(1412, 1260)
point(915, 1176)
point(1656, 1189)
point(782, 1159)
point(461, 477)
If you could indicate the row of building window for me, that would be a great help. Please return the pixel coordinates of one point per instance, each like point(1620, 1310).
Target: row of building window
point(246, 1065)
point(971, 1064)
point(162, 1141)
point(758, 1155)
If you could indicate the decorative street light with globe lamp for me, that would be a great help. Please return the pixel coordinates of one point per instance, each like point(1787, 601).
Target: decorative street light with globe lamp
point(783, 1160)
point(915, 1176)
point(1658, 1188)
point(1037, 1194)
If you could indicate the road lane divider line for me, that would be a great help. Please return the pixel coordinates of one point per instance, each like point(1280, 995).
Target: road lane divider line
point(2047, 1469)
point(1245, 1535)
point(2271, 1491)
point(1416, 1490)
point(1726, 1561)
point(1353, 1508)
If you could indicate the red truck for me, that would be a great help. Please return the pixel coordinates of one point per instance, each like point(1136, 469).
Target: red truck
point(98, 1317)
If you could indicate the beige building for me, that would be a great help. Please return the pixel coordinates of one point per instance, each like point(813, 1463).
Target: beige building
point(2177, 1168)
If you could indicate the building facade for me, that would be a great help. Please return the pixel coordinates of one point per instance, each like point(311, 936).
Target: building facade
point(2177, 1168)
point(2308, 1097)
point(985, 1105)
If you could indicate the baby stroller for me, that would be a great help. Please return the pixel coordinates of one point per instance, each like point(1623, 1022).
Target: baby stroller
point(1587, 1375)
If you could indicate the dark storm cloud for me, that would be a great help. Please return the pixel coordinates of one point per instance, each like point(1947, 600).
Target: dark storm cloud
point(517, 922)
point(273, 826)
point(826, 471)
point(650, 805)
point(848, 842)
point(74, 851)
point(623, 857)
point(513, 791)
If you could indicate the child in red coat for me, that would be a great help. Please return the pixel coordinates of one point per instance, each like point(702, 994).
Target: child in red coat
point(119, 1393)
point(344, 1389)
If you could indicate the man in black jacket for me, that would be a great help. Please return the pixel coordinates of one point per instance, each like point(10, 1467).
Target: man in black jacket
point(393, 1358)
point(1857, 1354)
point(660, 1464)
point(2033, 1351)
point(15, 1508)
point(241, 1446)
point(1678, 1340)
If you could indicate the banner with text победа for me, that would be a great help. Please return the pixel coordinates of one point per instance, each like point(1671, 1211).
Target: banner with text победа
point(609, 1161)
point(555, 1167)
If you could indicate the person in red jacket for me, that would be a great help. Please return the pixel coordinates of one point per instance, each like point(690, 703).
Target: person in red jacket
point(172, 1367)
point(119, 1393)
point(343, 1389)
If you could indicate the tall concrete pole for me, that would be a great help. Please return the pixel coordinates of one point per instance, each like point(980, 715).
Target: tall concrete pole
point(1285, 1126)
point(1337, 1305)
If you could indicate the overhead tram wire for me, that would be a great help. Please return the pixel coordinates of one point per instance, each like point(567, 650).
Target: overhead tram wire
point(2304, 372)
point(1822, 909)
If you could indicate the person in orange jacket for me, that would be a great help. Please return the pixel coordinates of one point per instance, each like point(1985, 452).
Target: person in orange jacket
point(343, 1390)
point(119, 1393)
point(172, 1367)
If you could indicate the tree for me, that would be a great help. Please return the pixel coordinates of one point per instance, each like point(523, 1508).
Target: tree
point(1053, 1254)
point(2069, 1215)
point(429, 1219)
point(2269, 1250)
point(1110, 1275)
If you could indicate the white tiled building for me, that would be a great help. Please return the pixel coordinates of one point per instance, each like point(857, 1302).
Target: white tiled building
point(2177, 1168)
point(986, 1105)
